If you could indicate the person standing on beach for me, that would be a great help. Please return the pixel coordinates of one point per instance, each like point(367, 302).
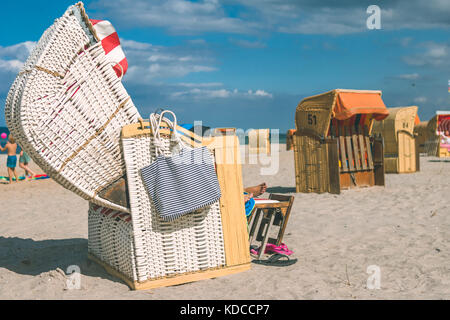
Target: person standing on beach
point(23, 163)
point(11, 162)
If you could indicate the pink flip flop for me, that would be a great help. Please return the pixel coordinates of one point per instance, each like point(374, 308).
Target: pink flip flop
point(281, 249)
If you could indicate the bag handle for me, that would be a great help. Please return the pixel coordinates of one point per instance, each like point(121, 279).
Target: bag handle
point(155, 120)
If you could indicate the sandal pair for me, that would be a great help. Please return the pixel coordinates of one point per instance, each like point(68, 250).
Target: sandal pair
point(277, 260)
point(271, 248)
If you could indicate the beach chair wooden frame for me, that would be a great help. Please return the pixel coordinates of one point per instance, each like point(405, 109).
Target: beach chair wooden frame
point(400, 152)
point(333, 153)
point(421, 135)
point(127, 248)
point(290, 139)
point(224, 131)
point(259, 141)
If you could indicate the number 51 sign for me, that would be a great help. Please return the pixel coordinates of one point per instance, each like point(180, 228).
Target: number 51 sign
point(312, 119)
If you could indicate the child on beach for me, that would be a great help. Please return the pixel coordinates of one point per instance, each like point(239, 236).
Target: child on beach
point(11, 148)
point(23, 163)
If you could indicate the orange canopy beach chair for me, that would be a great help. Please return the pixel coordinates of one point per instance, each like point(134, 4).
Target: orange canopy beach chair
point(333, 147)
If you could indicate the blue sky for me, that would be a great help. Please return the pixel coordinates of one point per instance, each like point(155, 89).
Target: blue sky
point(248, 63)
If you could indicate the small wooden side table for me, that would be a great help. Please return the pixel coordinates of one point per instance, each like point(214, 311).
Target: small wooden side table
point(268, 213)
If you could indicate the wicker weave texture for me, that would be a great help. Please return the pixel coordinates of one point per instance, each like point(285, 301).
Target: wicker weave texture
point(191, 243)
point(66, 108)
point(110, 239)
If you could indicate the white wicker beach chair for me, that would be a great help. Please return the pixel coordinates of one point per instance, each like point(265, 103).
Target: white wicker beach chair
point(147, 252)
point(67, 106)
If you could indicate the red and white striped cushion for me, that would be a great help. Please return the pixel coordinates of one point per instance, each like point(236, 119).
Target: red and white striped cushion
point(111, 44)
point(444, 125)
point(112, 213)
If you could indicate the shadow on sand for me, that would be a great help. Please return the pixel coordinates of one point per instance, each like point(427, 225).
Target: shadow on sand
point(30, 257)
point(279, 189)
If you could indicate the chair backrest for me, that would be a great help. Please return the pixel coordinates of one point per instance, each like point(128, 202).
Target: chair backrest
point(67, 107)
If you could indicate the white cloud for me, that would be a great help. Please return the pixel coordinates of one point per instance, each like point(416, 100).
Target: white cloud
point(409, 76)
point(178, 16)
point(260, 16)
point(431, 54)
point(13, 57)
point(200, 85)
point(420, 99)
point(148, 62)
point(11, 65)
point(134, 45)
point(262, 93)
point(404, 42)
point(248, 44)
point(202, 94)
point(20, 51)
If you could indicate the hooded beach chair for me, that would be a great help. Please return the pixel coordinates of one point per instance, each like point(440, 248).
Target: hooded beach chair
point(153, 252)
point(259, 141)
point(333, 146)
point(437, 144)
point(69, 111)
point(66, 109)
point(401, 154)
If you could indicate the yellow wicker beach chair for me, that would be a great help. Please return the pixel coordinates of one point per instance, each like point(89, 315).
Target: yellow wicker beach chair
point(333, 147)
point(259, 141)
point(400, 152)
point(290, 139)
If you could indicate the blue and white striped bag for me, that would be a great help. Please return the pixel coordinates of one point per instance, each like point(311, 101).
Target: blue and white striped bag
point(183, 182)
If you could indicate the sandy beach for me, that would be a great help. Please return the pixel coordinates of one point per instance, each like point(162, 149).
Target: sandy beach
point(402, 228)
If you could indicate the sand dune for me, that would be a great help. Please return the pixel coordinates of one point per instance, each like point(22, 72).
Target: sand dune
point(402, 228)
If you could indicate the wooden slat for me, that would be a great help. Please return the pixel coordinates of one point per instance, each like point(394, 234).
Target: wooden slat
point(348, 143)
point(369, 148)
point(378, 158)
point(171, 281)
point(356, 149)
point(362, 148)
point(137, 129)
point(333, 166)
point(229, 174)
point(286, 212)
point(416, 141)
point(343, 157)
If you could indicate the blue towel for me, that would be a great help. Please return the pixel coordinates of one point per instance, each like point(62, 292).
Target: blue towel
point(249, 205)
